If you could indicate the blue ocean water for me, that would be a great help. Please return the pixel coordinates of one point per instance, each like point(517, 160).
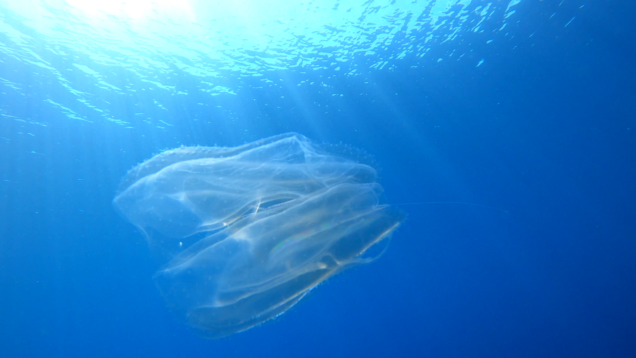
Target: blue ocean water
point(504, 129)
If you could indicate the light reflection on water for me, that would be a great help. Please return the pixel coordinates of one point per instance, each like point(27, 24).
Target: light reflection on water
point(128, 48)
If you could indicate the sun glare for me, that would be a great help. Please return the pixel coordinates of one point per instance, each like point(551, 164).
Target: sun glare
point(133, 9)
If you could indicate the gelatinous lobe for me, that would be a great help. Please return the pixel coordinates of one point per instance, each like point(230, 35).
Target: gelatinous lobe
point(262, 224)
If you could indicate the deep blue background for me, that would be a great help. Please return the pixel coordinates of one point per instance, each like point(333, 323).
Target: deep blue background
point(545, 130)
